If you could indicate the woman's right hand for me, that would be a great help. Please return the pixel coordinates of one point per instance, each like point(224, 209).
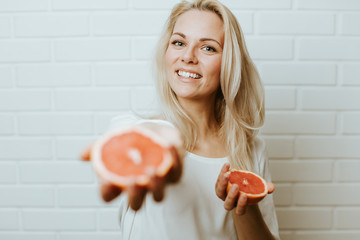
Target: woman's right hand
point(137, 193)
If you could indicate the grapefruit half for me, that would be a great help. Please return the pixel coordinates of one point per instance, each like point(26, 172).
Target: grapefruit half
point(254, 186)
point(125, 156)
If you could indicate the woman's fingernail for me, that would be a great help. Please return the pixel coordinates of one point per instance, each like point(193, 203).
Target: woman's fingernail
point(243, 197)
point(234, 188)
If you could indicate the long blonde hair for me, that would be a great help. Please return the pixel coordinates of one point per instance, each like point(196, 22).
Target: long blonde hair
point(239, 105)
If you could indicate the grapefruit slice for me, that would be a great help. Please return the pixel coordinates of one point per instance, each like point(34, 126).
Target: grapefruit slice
point(125, 156)
point(254, 186)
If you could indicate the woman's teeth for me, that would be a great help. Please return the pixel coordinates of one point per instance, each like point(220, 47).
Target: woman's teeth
point(187, 74)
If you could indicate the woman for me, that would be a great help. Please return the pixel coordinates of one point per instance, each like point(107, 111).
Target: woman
point(211, 92)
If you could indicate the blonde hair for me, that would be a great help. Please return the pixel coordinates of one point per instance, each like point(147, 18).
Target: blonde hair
point(239, 105)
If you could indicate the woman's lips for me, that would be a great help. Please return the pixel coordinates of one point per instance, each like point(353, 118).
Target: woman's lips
point(188, 74)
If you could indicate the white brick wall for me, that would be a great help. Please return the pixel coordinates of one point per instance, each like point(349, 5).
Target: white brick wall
point(68, 66)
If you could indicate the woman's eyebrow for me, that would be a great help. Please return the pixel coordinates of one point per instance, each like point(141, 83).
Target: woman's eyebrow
point(201, 39)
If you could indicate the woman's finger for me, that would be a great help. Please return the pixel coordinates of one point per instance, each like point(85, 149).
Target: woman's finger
point(136, 196)
point(232, 197)
point(109, 191)
point(176, 170)
point(271, 187)
point(157, 186)
point(241, 204)
point(222, 181)
point(86, 154)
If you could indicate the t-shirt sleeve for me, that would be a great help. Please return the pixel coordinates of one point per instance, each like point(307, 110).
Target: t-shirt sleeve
point(123, 120)
point(266, 206)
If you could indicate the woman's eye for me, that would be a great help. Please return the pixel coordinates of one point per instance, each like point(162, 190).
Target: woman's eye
point(177, 43)
point(209, 49)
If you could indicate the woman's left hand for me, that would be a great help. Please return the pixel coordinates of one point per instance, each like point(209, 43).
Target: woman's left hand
point(233, 200)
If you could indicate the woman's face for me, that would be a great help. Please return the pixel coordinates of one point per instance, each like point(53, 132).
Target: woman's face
point(193, 57)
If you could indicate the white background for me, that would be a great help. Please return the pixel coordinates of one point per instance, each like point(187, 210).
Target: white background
point(68, 66)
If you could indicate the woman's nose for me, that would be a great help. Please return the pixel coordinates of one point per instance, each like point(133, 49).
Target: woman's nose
point(189, 56)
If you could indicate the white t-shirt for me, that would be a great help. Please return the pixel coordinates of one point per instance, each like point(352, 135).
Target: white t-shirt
point(191, 210)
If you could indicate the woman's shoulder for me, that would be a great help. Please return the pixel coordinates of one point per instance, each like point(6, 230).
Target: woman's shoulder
point(259, 145)
point(259, 152)
point(130, 118)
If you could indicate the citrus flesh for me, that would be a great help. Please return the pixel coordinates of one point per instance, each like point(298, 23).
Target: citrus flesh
point(131, 153)
point(254, 186)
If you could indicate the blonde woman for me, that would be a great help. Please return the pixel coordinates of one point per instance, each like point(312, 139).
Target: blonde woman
point(211, 92)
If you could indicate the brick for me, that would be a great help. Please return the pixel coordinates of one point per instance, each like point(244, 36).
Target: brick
point(331, 99)
point(348, 171)
point(327, 147)
point(257, 4)
point(328, 4)
point(109, 220)
point(70, 148)
point(55, 124)
point(286, 235)
point(79, 196)
point(327, 194)
point(118, 24)
point(245, 20)
point(280, 147)
point(349, 24)
point(280, 98)
point(6, 79)
point(345, 218)
point(159, 4)
point(301, 123)
point(8, 173)
point(25, 148)
point(90, 236)
point(301, 171)
point(51, 219)
point(92, 50)
point(27, 196)
point(51, 75)
point(351, 123)
point(92, 99)
point(123, 74)
point(24, 51)
point(27, 236)
point(283, 195)
point(295, 23)
point(23, 5)
point(64, 172)
point(270, 48)
point(143, 99)
point(304, 218)
point(143, 48)
point(53, 25)
point(350, 73)
point(89, 4)
point(21, 100)
point(9, 219)
point(5, 27)
point(327, 235)
point(7, 124)
point(329, 48)
point(298, 74)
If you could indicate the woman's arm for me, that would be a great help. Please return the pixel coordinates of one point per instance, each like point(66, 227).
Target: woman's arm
point(251, 225)
point(248, 220)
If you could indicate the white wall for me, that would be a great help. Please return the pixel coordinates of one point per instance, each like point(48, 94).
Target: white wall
point(67, 66)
